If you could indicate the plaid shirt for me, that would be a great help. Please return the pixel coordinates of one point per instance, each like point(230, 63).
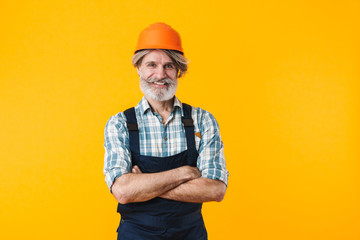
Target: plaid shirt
point(163, 140)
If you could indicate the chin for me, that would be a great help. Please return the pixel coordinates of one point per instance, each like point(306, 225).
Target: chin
point(159, 97)
point(162, 95)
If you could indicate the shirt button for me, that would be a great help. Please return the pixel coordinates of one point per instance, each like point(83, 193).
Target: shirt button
point(165, 139)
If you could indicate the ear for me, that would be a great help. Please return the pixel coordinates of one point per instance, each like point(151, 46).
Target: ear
point(138, 71)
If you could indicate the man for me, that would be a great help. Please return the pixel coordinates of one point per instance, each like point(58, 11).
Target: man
point(163, 158)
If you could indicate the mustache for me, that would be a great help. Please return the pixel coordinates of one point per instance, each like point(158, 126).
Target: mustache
point(166, 80)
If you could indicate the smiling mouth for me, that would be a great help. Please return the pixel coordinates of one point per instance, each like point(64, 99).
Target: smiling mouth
point(160, 83)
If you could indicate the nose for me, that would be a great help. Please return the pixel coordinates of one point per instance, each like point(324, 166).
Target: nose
point(160, 73)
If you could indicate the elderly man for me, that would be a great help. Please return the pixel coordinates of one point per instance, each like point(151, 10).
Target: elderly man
point(163, 158)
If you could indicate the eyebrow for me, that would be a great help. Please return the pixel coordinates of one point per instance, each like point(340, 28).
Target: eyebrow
point(156, 62)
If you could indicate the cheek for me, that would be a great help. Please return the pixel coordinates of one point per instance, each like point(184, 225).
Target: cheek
point(145, 74)
point(172, 74)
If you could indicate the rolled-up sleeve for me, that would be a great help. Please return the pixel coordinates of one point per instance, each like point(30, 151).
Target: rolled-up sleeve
point(211, 160)
point(117, 160)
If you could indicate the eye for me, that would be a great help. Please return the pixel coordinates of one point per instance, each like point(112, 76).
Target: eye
point(169, 66)
point(151, 65)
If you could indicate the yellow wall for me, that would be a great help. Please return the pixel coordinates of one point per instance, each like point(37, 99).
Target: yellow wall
point(281, 77)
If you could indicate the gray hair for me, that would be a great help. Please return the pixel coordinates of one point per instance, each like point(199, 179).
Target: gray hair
point(178, 59)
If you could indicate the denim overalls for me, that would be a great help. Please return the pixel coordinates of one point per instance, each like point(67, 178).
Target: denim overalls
point(160, 218)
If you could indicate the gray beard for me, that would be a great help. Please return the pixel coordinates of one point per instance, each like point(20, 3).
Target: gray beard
point(158, 94)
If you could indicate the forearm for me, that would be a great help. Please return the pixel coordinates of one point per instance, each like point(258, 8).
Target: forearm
point(197, 190)
point(133, 187)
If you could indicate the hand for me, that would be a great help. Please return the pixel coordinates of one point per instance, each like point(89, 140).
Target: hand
point(191, 172)
point(136, 170)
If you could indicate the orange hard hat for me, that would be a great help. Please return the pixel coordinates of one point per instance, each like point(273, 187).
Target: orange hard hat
point(159, 36)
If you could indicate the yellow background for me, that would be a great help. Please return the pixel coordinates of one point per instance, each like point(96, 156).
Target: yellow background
point(281, 77)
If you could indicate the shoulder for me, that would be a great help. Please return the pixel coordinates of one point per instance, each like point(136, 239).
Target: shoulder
point(117, 121)
point(204, 119)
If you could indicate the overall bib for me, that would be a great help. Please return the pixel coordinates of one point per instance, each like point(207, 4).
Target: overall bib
point(160, 218)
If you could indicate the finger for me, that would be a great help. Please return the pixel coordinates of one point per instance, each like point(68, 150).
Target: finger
point(136, 169)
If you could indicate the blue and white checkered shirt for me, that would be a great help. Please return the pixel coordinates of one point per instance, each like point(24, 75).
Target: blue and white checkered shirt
point(163, 140)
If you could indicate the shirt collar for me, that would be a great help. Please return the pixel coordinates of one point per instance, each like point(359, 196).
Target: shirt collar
point(144, 105)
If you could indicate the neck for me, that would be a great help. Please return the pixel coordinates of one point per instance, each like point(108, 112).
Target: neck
point(161, 106)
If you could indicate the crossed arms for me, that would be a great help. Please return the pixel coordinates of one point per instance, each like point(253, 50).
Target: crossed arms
point(181, 184)
point(128, 184)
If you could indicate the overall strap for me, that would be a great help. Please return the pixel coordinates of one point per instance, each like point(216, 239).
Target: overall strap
point(133, 129)
point(189, 127)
